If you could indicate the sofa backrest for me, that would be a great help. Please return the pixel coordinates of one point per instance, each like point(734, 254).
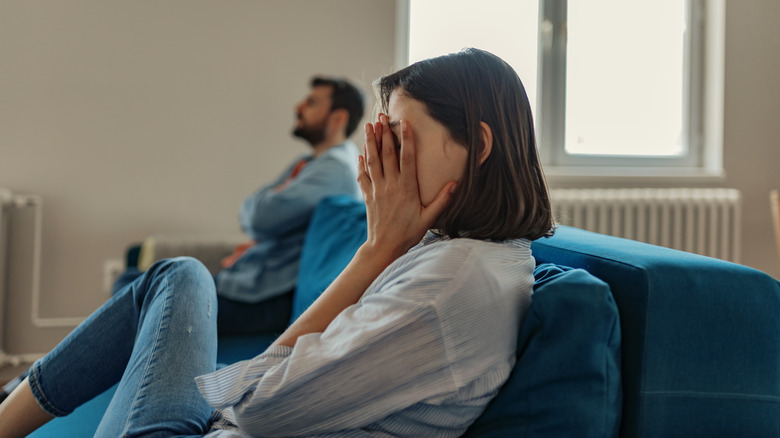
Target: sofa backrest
point(336, 231)
point(700, 348)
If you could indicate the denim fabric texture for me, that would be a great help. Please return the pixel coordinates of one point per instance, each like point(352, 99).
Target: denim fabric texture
point(156, 335)
point(269, 316)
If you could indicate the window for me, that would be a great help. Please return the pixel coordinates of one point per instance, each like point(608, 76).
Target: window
point(614, 83)
point(437, 27)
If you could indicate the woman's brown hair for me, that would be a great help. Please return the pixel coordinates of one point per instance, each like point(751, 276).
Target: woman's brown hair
point(506, 196)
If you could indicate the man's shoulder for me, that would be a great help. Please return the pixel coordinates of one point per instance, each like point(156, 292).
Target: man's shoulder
point(344, 152)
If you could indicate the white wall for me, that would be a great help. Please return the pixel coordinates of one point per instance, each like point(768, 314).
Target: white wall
point(144, 116)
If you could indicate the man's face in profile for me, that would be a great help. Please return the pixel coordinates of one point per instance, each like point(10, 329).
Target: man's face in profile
point(312, 115)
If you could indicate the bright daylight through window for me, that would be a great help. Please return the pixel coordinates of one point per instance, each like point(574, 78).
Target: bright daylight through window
point(628, 68)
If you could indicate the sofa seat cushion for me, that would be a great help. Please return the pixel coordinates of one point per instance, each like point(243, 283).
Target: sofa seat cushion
point(567, 378)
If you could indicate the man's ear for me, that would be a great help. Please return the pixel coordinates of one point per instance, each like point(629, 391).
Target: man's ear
point(486, 135)
point(339, 118)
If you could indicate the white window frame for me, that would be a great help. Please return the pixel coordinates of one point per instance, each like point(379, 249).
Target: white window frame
point(703, 101)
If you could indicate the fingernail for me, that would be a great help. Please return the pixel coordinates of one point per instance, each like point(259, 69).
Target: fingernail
point(454, 188)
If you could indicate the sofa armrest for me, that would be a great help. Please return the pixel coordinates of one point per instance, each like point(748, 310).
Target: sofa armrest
point(700, 355)
point(210, 250)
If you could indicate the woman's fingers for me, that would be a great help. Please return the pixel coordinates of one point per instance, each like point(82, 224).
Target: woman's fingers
point(378, 128)
point(380, 159)
point(397, 218)
point(389, 158)
point(408, 160)
point(373, 160)
point(408, 170)
point(432, 211)
point(363, 180)
point(364, 171)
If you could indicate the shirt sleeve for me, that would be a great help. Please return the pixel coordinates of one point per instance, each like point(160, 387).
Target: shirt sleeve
point(267, 212)
point(377, 357)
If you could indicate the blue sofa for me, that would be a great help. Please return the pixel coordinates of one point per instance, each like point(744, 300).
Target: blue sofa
point(622, 339)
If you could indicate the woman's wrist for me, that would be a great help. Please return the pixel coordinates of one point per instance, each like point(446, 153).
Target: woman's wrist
point(376, 257)
point(369, 261)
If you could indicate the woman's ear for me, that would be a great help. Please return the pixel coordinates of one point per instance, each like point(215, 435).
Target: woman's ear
point(486, 135)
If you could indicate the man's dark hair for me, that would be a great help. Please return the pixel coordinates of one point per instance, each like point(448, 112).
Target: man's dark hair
point(345, 96)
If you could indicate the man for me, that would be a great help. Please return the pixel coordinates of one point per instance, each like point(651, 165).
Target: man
point(255, 287)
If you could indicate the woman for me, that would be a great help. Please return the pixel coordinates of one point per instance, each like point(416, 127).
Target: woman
point(415, 336)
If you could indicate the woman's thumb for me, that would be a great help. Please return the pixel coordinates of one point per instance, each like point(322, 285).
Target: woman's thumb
point(432, 211)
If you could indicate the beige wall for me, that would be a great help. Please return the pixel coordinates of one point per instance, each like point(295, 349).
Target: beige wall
point(752, 110)
point(136, 117)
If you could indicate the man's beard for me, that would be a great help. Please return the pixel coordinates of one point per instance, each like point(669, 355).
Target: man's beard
point(312, 134)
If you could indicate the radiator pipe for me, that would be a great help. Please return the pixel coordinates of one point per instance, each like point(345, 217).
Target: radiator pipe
point(36, 202)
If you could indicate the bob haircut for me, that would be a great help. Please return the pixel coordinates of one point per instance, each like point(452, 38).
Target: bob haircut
point(506, 196)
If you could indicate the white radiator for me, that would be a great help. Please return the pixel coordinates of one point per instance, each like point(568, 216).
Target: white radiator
point(701, 221)
point(13, 207)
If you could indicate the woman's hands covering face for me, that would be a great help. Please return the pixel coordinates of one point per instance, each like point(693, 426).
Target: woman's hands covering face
point(387, 175)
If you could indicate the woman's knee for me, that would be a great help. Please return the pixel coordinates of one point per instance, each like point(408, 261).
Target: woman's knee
point(183, 266)
point(185, 275)
point(191, 265)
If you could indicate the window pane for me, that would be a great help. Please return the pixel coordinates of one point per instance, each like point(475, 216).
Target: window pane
point(506, 28)
point(625, 77)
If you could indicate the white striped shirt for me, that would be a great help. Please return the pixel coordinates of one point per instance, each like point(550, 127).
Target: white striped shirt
point(421, 354)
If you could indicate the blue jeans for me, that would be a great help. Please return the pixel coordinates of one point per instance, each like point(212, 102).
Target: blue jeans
point(153, 337)
point(271, 315)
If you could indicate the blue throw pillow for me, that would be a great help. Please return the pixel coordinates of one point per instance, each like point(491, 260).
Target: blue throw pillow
point(336, 231)
point(567, 379)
